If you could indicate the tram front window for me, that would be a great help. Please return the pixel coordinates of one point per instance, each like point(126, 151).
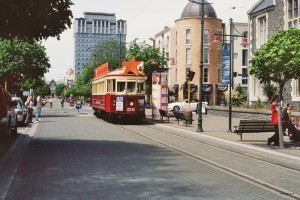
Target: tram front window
point(120, 86)
point(130, 87)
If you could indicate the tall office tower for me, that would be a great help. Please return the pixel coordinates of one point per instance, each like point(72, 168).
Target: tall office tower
point(95, 27)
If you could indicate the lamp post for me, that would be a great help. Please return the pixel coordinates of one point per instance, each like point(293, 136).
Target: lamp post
point(202, 3)
point(244, 42)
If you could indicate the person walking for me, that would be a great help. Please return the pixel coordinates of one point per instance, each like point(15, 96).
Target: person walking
point(287, 117)
point(274, 120)
point(29, 104)
point(38, 108)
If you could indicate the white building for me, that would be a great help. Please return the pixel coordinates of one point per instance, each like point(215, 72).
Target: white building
point(166, 42)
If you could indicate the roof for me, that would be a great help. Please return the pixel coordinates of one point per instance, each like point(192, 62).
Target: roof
point(260, 6)
point(192, 10)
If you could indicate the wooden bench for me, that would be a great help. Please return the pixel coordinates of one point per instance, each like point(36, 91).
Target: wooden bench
point(163, 114)
point(180, 116)
point(253, 126)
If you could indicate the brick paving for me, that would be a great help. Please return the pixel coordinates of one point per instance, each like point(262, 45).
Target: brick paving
point(75, 156)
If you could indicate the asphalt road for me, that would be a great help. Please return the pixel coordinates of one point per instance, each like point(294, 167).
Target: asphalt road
point(74, 155)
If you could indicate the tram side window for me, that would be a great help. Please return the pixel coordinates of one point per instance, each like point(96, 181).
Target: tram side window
point(120, 86)
point(130, 87)
point(114, 85)
point(140, 87)
point(94, 89)
point(100, 87)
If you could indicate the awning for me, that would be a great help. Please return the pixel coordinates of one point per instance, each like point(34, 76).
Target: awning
point(193, 88)
point(222, 87)
point(207, 87)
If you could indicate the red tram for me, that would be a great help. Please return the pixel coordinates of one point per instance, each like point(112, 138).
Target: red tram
point(119, 94)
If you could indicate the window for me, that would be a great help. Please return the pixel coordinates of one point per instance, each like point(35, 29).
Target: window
point(206, 36)
point(295, 8)
point(290, 9)
point(206, 56)
point(188, 36)
point(188, 56)
point(244, 57)
point(120, 86)
point(130, 87)
point(293, 13)
point(262, 31)
point(205, 75)
point(244, 76)
point(298, 88)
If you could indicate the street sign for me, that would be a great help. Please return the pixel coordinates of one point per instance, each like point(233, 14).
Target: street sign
point(72, 103)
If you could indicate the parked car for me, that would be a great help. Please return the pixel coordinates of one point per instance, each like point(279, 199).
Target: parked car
point(20, 110)
point(183, 105)
point(8, 117)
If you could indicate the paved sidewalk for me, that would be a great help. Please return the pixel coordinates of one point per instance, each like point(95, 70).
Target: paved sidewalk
point(215, 126)
point(218, 127)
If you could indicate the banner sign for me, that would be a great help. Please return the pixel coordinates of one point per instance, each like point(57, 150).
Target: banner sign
point(119, 103)
point(159, 93)
point(226, 63)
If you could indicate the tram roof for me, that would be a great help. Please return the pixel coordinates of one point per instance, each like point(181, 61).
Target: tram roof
point(131, 68)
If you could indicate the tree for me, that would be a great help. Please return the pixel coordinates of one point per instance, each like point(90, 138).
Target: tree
point(60, 89)
point(148, 54)
point(34, 19)
point(26, 60)
point(278, 61)
point(112, 51)
point(41, 87)
point(269, 89)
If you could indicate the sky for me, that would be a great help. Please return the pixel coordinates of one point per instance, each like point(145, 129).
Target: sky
point(144, 19)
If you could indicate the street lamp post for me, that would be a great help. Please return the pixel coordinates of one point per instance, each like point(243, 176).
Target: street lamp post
point(244, 43)
point(202, 3)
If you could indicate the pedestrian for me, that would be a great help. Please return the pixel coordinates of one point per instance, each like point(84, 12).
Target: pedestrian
point(274, 120)
point(29, 104)
point(287, 117)
point(38, 109)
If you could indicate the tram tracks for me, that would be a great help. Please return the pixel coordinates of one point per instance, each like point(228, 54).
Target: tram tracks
point(283, 192)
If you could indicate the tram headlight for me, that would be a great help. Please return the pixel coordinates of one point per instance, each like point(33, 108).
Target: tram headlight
point(131, 103)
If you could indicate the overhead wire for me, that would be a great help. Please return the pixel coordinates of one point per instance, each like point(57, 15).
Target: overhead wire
point(146, 5)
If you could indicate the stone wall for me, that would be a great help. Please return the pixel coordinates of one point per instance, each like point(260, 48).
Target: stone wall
point(242, 113)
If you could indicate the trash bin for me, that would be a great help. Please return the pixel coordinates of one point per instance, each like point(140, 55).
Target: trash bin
point(188, 114)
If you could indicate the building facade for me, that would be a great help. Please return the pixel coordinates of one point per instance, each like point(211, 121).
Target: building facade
point(240, 55)
point(187, 53)
point(91, 29)
point(165, 41)
point(52, 86)
point(266, 18)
